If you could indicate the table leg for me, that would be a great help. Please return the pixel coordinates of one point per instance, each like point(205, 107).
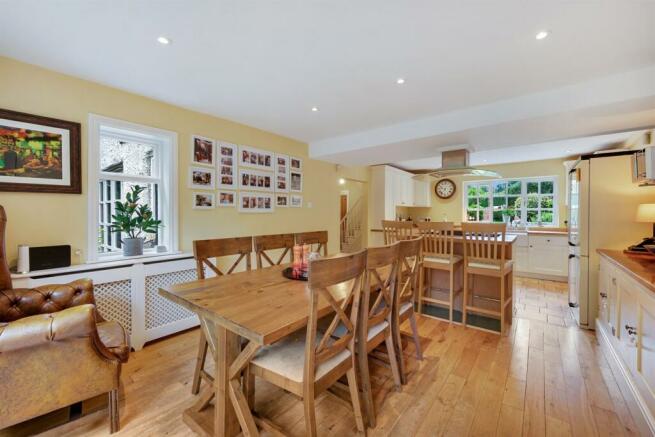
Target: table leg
point(226, 423)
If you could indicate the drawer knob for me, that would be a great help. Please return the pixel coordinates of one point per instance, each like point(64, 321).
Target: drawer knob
point(631, 330)
point(603, 295)
point(614, 281)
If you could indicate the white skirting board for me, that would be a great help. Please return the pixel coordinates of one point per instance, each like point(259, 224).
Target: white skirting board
point(645, 420)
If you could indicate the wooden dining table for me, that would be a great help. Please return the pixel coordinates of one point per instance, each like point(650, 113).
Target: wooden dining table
point(239, 314)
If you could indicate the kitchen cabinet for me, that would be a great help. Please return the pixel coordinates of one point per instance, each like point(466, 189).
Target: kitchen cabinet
point(422, 192)
point(628, 322)
point(541, 256)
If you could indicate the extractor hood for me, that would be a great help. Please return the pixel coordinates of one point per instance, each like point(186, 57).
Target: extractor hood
point(456, 163)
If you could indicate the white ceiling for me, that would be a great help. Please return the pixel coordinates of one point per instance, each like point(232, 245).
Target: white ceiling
point(474, 71)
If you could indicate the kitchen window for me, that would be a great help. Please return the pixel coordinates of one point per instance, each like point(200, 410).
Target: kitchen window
point(122, 155)
point(522, 201)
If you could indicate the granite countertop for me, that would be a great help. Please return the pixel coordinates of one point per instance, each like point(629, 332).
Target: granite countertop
point(640, 267)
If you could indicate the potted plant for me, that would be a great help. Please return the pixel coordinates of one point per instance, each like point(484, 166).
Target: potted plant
point(133, 220)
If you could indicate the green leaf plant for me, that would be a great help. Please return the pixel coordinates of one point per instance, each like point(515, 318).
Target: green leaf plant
point(132, 219)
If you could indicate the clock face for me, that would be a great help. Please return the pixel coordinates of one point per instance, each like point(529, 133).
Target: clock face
point(445, 188)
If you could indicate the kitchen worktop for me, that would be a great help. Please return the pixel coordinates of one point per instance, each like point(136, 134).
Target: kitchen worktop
point(640, 267)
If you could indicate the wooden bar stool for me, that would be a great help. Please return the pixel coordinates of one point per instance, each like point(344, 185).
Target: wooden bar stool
point(396, 231)
point(438, 254)
point(203, 250)
point(264, 243)
point(319, 238)
point(484, 255)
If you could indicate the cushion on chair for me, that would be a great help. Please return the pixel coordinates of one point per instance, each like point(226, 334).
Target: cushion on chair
point(405, 307)
point(287, 357)
point(442, 259)
point(375, 330)
point(113, 336)
point(487, 266)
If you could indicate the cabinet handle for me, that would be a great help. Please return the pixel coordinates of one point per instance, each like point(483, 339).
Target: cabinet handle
point(631, 330)
point(613, 281)
point(603, 295)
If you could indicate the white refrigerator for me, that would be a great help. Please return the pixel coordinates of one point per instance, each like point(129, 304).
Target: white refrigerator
point(603, 202)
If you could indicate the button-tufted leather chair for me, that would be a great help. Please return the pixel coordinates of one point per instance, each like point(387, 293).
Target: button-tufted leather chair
point(55, 348)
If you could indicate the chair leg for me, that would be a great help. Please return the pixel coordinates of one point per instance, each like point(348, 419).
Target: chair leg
point(417, 339)
point(114, 419)
point(354, 395)
point(200, 363)
point(310, 415)
point(361, 360)
point(399, 351)
point(421, 291)
point(452, 293)
point(465, 297)
point(393, 361)
point(503, 278)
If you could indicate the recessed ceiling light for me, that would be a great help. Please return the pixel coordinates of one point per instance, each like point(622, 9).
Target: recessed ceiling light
point(569, 151)
point(542, 35)
point(400, 81)
point(163, 40)
point(314, 109)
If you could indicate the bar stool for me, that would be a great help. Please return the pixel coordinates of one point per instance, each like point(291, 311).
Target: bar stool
point(484, 255)
point(396, 231)
point(438, 254)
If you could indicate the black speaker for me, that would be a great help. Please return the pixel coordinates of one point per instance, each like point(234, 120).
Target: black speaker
point(50, 257)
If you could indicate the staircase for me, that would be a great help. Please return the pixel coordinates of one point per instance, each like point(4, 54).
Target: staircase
point(351, 232)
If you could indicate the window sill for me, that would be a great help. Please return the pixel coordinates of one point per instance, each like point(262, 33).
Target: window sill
point(120, 257)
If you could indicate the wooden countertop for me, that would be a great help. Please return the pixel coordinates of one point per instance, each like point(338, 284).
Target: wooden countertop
point(509, 238)
point(639, 267)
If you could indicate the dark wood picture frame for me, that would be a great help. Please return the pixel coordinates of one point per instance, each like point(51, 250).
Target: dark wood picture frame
point(75, 150)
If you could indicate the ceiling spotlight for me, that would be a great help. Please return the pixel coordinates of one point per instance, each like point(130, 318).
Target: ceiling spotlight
point(163, 40)
point(569, 151)
point(314, 109)
point(400, 81)
point(342, 181)
point(542, 35)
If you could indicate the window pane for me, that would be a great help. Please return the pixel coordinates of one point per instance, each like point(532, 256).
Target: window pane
point(472, 190)
point(546, 216)
point(533, 201)
point(500, 202)
point(484, 215)
point(514, 187)
point(473, 202)
point(500, 188)
point(483, 190)
point(546, 202)
point(533, 187)
point(129, 158)
point(514, 202)
point(471, 215)
point(484, 202)
point(533, 216)
point(498, 216)
point(547, 187)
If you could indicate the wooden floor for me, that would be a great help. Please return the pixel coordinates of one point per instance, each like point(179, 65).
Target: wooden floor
point(546, 378)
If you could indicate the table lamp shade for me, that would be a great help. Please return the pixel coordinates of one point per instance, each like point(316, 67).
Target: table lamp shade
point(646, 213)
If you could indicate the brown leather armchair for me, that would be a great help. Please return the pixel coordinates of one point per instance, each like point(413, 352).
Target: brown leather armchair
point(55, 349)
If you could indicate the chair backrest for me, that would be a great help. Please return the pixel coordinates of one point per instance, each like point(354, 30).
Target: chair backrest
point(262, 243)
point(5, 276)
point(340, 276)
point(396, 231)
point(319, 238)
point(437, 238)
point(409, 254)
point(381, 274)
point(219, 247)
point(484, 242)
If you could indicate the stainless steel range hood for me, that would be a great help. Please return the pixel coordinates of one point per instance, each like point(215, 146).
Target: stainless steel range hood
point(456, 163)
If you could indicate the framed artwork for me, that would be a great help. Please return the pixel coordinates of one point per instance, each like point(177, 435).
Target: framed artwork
point(256, 202)
point(203, 150)
point(295, 182)
point(281, 200)
point(295, 201)
point(255, 180)
point(227, 198)
point(202, 177)
point(282, 173)
point(255, 158)
point(39, 154)
point(227, 165)
point(295, 163)
point(203, 201)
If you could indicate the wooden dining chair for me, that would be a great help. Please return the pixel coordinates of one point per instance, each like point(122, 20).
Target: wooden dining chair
point(309, 362)
point(409, 269)
point(318, 238)
point(264, 243)
point(438, 254)
point(376, 318)
point(204, 251)
point(396, 231)
point(484, 255)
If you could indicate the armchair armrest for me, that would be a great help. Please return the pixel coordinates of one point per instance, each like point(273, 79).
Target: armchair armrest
point(24, 302)
point(28, 332)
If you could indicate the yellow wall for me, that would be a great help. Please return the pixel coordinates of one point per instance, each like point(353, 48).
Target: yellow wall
point(452, 207)
point(45, 219)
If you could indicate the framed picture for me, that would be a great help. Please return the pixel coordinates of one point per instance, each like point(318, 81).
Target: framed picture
point(295, 163)
point(203, 201)
point(255, 158)
point(281, 200)
point(295, 182)
point(295, 201)
point(203, 150)
point(255, 180)
point(256, 202)
point(227, 165)
point(227, 198)
point(39, 154)
point(282, 173)
point(201, 177)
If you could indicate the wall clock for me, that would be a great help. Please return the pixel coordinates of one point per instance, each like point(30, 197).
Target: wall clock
point(445, 188)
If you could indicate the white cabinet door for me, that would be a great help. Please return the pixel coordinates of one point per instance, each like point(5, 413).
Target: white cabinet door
point(521, 263)
point(647, 341)
point(548, 255)
point(603, 292)
point(421, 193)
point(408, 190)
point(628, 322)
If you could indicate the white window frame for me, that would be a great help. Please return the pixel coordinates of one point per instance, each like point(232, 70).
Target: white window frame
point(524, 195)
point(165, 174)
